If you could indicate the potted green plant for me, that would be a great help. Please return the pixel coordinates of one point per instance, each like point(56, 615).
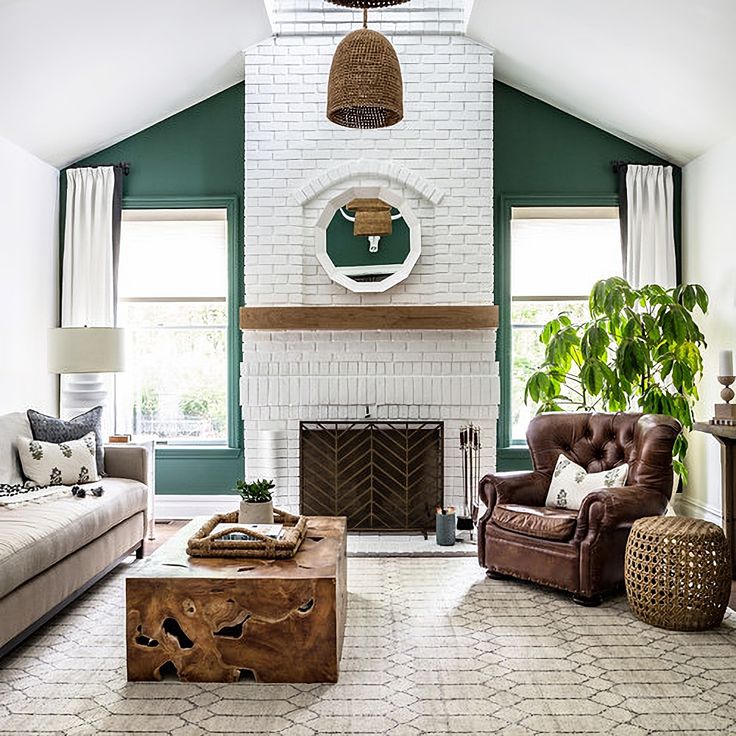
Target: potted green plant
point(256, 501)
point(640, 350)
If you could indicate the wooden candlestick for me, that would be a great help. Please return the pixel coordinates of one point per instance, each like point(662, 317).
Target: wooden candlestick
point(727, 392)
point(726, 413)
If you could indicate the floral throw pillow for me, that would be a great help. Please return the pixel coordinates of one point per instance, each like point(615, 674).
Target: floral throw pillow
point(571, 483)
point(51, 429)
point(63, 464)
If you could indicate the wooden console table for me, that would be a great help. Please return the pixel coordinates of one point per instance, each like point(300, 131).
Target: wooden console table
point(727, 437)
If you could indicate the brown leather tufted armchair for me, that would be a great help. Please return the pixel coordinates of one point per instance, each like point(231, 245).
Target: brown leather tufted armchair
point(579, 551)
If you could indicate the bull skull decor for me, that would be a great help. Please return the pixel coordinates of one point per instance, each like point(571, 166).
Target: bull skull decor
point(372, 218)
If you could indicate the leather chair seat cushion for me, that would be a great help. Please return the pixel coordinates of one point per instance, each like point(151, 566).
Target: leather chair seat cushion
point(536, 521)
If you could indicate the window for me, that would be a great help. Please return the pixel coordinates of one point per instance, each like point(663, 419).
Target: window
point(557, 254)
point(173, 301)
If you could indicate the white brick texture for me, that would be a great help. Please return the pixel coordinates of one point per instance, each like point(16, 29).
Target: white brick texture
point(440, 159)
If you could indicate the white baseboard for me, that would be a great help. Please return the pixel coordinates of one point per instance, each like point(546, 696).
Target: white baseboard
point(688, 507)
point(182, 506)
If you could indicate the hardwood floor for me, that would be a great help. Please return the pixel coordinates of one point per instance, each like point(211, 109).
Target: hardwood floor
point(164, 531)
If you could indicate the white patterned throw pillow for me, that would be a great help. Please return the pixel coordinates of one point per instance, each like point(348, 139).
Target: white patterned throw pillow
point(571, 483)
point(64, 464)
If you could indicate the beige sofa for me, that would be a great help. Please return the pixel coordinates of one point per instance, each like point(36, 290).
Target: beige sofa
point(54, 549)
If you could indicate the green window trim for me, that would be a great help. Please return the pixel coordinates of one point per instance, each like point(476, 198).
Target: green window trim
point(515, 455)
point(198, 452)
point(235, 295)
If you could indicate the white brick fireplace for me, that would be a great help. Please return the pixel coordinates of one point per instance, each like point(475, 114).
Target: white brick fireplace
point(439, 159)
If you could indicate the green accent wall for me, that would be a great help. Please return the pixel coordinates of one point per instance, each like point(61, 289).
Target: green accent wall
point(189, 157)
point(197, 152)
point(543, 156)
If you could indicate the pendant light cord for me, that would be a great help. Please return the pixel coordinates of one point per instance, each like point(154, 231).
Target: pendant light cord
point(365, 17)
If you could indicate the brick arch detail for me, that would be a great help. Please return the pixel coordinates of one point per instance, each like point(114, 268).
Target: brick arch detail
point(368, 168)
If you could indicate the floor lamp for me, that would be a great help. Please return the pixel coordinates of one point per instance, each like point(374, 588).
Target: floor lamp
point(83, 354)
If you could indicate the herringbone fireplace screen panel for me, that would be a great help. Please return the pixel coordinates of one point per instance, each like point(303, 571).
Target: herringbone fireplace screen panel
point(381, 475)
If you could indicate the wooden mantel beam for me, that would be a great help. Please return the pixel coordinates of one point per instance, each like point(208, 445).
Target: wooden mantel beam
point(466, 317)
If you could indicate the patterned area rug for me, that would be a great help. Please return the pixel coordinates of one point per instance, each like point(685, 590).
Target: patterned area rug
point(365, 544)
point(432, 647)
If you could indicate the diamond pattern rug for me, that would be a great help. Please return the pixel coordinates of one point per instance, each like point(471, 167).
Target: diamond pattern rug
point(431, 647)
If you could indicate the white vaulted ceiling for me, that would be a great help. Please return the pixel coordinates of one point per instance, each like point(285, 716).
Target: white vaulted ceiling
point(78, 75)
point(657, 72)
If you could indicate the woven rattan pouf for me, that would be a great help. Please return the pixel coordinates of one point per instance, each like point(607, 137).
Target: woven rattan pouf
point(677, 572)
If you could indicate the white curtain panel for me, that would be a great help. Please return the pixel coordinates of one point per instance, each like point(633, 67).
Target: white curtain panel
point(650, 250)
point(87, 292)
point(87, 295)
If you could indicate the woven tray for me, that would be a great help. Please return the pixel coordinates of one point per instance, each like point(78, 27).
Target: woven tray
point(205, 544)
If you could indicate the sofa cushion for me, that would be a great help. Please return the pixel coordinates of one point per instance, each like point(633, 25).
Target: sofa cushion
point(48, 463)
point(35, 536)
point(536, 521)
point(12, 425)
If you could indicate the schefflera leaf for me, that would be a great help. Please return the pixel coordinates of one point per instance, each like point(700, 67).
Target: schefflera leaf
point(640, 349)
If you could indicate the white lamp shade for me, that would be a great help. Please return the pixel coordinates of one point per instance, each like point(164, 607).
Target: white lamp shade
point(86, 350)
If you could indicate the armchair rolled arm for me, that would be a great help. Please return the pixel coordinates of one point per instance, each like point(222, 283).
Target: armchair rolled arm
point(614, 507)
point(524, 487)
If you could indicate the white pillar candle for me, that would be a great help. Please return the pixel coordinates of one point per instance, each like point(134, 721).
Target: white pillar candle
point(725, 363)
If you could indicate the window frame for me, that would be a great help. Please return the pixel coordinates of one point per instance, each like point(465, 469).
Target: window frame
point(235, 294)
point(514, 455)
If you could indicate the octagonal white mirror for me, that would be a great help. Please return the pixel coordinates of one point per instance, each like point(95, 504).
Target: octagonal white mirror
point(368, 239)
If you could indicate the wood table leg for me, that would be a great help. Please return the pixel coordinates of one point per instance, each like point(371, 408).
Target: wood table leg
point(726, 436)
point(728, 496)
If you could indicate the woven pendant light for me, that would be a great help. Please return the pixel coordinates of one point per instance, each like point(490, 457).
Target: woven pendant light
point(365, 88)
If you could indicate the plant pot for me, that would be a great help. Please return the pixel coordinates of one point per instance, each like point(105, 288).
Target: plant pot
point(445, 529)
point(256, 513)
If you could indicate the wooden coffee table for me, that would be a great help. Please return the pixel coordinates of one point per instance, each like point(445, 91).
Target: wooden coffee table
point(224, 619)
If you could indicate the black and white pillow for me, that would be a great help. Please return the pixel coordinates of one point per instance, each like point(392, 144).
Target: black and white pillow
point(63, 464)
point(51, 429)
point(571, 483)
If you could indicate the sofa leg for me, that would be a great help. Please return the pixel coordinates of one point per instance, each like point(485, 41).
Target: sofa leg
point(591, 602)
point(495, 575)
point(139, 552)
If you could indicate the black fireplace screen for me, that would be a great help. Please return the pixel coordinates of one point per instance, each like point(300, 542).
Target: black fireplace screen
point(382, 475)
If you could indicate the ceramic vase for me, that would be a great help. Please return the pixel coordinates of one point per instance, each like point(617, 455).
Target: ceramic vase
point(445, 529)
point(256, 513)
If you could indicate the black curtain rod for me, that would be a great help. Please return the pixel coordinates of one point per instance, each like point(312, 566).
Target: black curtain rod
point(124, 165)
point(618, 165)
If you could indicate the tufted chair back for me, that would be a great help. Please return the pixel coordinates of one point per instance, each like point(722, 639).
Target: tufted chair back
point(599, 441)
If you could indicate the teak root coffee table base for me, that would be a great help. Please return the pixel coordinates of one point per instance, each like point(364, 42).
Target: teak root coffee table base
point(224, 619)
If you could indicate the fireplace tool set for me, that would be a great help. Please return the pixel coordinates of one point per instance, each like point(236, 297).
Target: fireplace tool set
point(470, 448)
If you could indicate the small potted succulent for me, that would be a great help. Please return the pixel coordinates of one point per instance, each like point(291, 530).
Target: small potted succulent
point(256, 504)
